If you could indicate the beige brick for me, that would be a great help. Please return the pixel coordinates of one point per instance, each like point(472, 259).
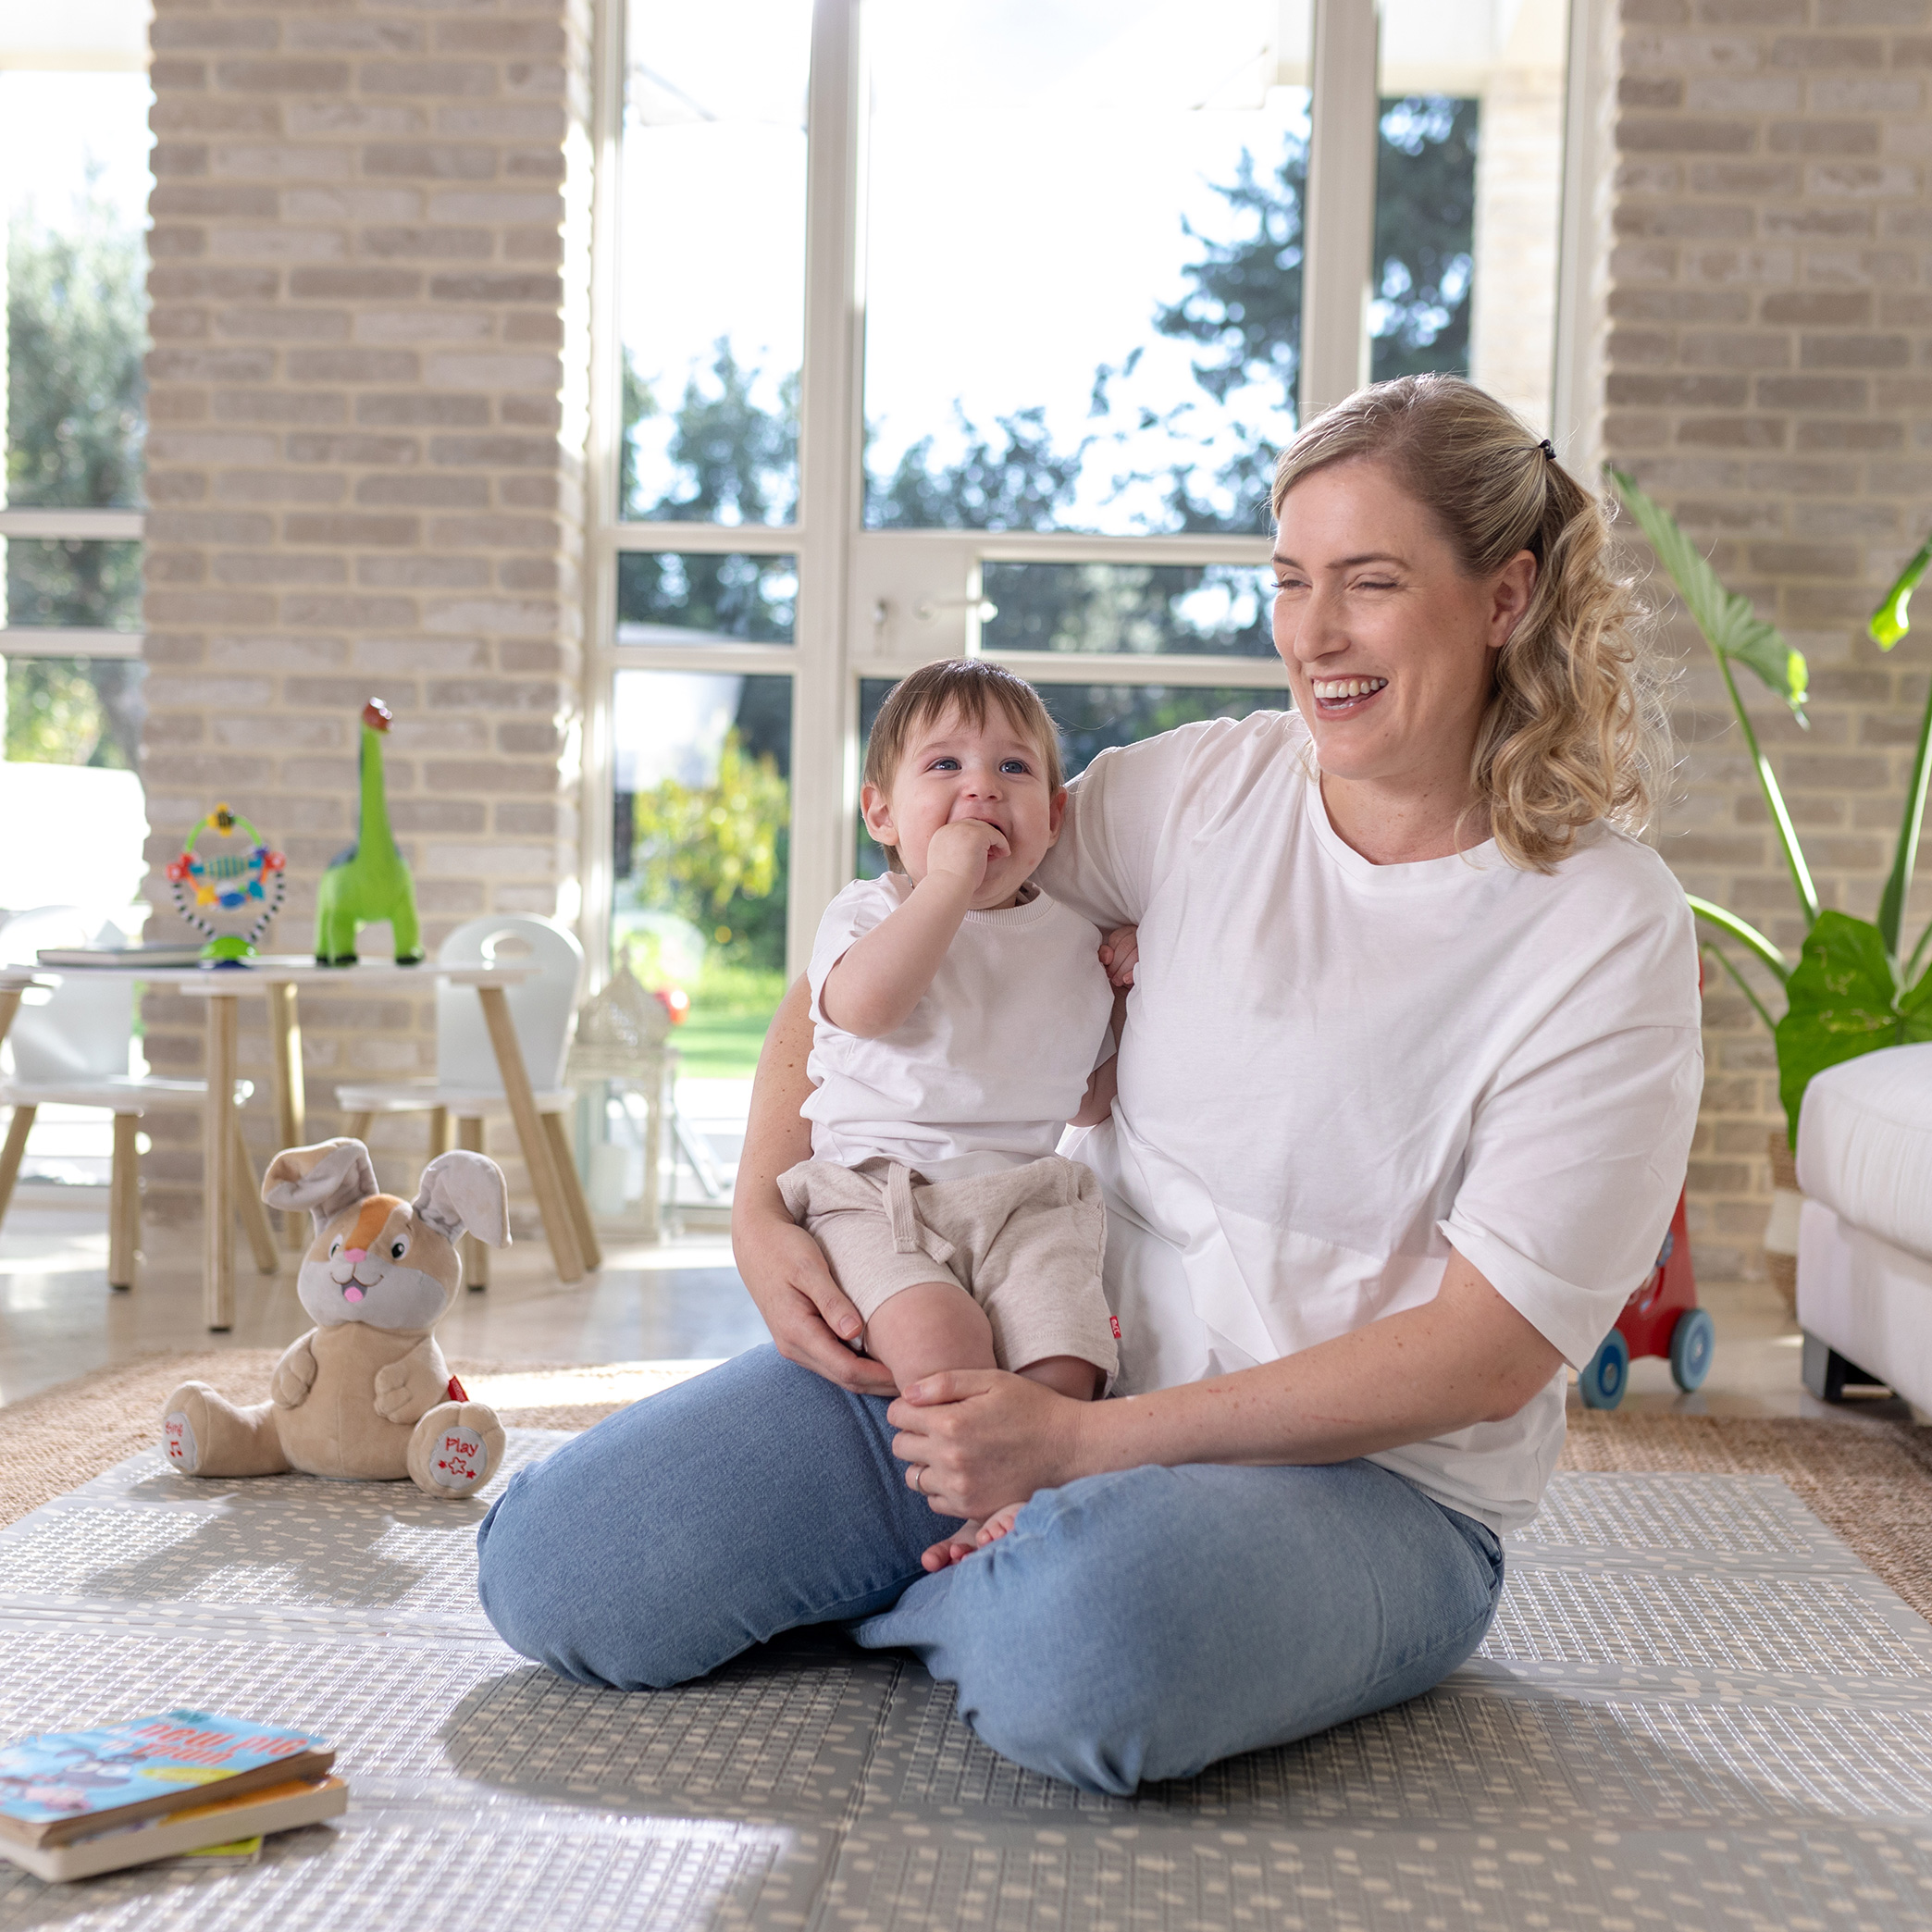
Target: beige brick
point(419, 407)
point(354, 271)
point(1807, 493)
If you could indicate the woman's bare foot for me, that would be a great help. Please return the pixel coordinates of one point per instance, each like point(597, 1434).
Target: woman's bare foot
point(969, 1536)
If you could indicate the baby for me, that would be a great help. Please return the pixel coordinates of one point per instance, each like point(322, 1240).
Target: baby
point(959, 1015)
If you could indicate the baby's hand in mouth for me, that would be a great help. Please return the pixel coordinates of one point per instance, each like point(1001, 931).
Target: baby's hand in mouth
point(965, 848)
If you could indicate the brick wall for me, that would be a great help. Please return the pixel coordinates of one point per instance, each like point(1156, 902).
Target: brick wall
point(365, 474)
point(1769, 378)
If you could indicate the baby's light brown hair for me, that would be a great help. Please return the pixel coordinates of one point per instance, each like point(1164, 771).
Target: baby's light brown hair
point(969, 684)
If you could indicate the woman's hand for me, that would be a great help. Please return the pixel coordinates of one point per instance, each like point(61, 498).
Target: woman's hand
point(974, 1439)
point(811, 1322)
point(780, 1263)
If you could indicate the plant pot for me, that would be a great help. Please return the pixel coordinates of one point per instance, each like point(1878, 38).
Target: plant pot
point(1782, 1229)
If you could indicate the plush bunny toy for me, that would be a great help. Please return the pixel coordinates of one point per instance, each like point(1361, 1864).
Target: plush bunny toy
point(367, 1391)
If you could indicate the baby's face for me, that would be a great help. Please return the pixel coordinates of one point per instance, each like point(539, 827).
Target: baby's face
point(953, 769)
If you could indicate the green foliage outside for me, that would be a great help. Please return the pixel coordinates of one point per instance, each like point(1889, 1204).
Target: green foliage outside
point(1853, 987)
point(731, 1007)
point(713, 853)
point(76, 333)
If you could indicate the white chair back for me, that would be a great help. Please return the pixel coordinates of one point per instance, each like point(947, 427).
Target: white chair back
point(81, 1029)
point(541, 1007)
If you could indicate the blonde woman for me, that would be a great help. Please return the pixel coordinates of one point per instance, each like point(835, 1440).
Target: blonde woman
point(1404, 1099)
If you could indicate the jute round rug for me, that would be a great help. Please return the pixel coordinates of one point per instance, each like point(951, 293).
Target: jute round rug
point(57, 1440)
point(1869, 1480)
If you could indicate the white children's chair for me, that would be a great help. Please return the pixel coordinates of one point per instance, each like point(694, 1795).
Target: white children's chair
point(467, 1087)
point(68, 1046)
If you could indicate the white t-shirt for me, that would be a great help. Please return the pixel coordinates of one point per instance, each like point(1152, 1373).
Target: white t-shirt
point(1333, 1071)
point(990, 1065)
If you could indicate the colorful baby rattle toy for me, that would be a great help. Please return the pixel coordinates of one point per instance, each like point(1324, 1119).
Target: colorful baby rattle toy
point(229, 881)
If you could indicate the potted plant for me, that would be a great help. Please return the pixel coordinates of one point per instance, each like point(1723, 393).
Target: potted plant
point(1852, 987)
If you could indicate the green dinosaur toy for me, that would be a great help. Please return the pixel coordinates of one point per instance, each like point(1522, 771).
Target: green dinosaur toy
point(369, 881)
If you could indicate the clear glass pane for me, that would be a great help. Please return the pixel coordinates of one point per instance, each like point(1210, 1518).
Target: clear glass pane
point(691, 597)
point(713, 258)
point(75, 711)
point(1468, 192)
point(702, 770)
point(1092, 718)
point(63, 584)
point(74, 171)
point(1083, 299)
point(1183, 609)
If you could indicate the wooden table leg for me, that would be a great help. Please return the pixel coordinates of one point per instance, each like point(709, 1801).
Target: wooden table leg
point(9, 1006)
point(291, 1099)
point(124, 1202)
point(248, 1200)
point(218, 1129)
point(474, 1254)
point(18, 1129)
point(588, 1243)
point(550, 1202)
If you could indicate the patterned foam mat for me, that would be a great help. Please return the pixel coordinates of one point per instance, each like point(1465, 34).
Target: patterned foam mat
point(1695, 1708)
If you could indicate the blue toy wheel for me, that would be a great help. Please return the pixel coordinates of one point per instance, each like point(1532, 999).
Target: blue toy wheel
point(1691, 1342)
point(1602, 1381)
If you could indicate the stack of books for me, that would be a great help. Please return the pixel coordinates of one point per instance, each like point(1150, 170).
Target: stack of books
point(75, 1803)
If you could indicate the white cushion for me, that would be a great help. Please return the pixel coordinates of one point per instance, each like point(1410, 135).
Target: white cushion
point(1864, 1144)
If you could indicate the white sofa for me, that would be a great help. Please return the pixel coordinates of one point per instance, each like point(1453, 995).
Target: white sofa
point(1864, 1235)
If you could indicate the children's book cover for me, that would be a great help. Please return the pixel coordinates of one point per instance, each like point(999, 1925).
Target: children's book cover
point(55, 1786)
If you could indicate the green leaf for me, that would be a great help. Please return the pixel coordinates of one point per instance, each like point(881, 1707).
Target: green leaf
point(1744, 986)
point(1744, 933)
point(1842, 1000)
point(1731, 630)
point(1892, 619)
point(1730, 625)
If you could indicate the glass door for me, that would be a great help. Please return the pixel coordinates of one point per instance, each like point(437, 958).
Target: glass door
point(692, 711)
point(928, 327)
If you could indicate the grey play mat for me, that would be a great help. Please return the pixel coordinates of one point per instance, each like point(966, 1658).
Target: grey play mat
point(1696, 1708)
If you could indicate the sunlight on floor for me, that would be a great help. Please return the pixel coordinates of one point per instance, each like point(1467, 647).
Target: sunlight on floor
point(58, 1318)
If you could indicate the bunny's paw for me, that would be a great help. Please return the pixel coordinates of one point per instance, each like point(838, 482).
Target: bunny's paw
point(456, 1448)
point(294, 1376)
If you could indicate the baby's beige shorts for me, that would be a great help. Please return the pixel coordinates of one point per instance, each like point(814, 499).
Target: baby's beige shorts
point(1024, 1242)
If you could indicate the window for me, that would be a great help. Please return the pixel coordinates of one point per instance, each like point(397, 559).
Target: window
point(74, 185)
point(74, 181)
point(929, 328)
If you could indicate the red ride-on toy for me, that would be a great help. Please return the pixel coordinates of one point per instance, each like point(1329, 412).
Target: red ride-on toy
point(1661, 1319)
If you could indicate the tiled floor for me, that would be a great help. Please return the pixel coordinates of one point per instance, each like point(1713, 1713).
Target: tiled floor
point(59, 1319)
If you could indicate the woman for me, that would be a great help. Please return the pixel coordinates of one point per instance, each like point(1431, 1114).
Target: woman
point(1404, 1099)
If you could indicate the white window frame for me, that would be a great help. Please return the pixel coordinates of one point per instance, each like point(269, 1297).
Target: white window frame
point(92, 46)
point(877, 604)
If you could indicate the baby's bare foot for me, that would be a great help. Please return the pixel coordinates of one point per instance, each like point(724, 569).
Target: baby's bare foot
point(969, 1536)
point(949, 1550)
point(996, 1526)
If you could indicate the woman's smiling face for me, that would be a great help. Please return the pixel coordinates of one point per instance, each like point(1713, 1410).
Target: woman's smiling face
point(1389, 644)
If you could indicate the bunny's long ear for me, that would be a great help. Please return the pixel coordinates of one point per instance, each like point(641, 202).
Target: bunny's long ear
point(464, 1193)
point(325, 1179)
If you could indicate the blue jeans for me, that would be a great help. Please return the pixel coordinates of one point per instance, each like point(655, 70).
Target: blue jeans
point(1133, 1626)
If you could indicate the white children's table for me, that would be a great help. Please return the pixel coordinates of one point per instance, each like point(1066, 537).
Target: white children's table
point(281, 980)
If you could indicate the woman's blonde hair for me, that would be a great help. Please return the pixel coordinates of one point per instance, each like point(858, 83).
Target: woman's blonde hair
point(1575, 730)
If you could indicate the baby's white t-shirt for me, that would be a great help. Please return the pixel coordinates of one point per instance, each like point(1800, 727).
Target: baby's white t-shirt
point(992, 1062)
point(1334, 1073)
